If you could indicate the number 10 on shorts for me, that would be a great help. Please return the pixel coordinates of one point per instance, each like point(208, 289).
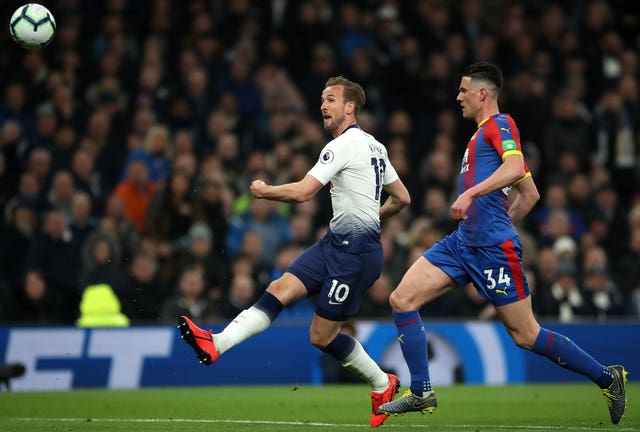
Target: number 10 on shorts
point(338, 292)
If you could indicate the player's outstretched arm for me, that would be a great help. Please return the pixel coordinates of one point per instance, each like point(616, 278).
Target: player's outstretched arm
point(523, 197)
point(398, 199)
point(299, 191)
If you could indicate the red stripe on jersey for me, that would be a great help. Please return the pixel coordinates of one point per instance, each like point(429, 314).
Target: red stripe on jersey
point(514, 131)
point(546, 350)
point(492, 136)
point(469, 176)
point(514, 264)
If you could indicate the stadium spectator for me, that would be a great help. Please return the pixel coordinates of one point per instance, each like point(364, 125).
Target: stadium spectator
point(14, 107)
point(85, 178)
point(262, 219)
point(579, 195)
point(56, 253)
point(39, 164)
point(615, 228)
point(63, 147)
point(242, 294)
point(145, 292)
point(136, 192)
point(189, 297)
point(626, 271)
point(287, 254)
point(566, 135)
point(565, 219)
point(21, 225)
point(171, 211)
point(198, 249)
point(60, 194)
point(38, 303)
point(102, 260)
point(114, 221)
point(156, 151)
point(563, 301)
point(82, 223)
point(603, 299)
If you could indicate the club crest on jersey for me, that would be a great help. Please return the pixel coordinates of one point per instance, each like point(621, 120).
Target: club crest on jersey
point(508, 145)
point(326, 157)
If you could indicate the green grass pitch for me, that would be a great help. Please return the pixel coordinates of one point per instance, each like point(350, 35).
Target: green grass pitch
point(567, 407)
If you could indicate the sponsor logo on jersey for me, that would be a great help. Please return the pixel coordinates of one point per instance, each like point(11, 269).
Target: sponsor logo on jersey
point(509, 145)
point(465, 162)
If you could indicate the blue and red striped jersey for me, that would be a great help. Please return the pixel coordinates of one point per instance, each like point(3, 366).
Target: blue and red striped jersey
point(488, 222)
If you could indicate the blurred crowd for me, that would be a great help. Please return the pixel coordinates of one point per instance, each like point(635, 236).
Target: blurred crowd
point(128, 146)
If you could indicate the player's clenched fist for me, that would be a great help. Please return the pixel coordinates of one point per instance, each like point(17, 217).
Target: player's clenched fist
point(257, 188)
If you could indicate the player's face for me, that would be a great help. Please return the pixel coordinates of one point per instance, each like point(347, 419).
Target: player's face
point(333, 108)
point(468, 97)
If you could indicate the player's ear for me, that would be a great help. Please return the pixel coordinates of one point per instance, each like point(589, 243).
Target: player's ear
point(351, 106)
point(483, 94)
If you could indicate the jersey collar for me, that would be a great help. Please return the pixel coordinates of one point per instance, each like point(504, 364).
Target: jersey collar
point(483, 122)
point(353, 126)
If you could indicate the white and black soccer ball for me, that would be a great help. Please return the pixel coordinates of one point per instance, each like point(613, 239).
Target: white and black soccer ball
point(32, 26)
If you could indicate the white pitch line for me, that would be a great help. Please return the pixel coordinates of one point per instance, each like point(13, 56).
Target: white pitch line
point(319, 424)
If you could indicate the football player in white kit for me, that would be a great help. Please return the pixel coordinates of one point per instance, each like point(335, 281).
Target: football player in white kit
point(341, 266)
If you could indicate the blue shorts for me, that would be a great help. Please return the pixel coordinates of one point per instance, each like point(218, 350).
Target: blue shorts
point(496, 271)
point(340, 272)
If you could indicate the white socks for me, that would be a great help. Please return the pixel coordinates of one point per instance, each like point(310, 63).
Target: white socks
point(362, 365)
point(248, 323)
point(252, 321)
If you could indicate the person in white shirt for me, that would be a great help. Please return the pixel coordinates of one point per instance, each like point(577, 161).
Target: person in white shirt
point(340, 267)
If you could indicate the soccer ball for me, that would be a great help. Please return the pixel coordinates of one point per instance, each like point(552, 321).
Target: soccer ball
point(32, 26)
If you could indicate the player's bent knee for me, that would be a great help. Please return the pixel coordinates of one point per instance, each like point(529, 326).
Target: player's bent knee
point(286, 290)
point(401, 303)
point(523, 340)
point(318, 340)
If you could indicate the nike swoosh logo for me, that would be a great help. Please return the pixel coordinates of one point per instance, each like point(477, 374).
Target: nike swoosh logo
point(331, 302)
point(423, 403)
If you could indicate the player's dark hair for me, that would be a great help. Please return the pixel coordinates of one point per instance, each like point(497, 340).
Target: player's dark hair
point(485, 71)
point(352, 91)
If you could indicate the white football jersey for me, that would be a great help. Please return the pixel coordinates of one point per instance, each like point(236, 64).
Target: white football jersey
point(358, 167)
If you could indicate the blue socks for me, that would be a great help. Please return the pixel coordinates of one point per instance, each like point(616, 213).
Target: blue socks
point(413, 342)
point(561, 350)
point(340, 347)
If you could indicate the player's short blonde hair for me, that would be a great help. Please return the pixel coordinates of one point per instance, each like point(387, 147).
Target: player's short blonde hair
point(353, 92)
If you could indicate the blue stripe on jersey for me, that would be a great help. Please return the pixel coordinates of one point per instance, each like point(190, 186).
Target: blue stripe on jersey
point(488, 222)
